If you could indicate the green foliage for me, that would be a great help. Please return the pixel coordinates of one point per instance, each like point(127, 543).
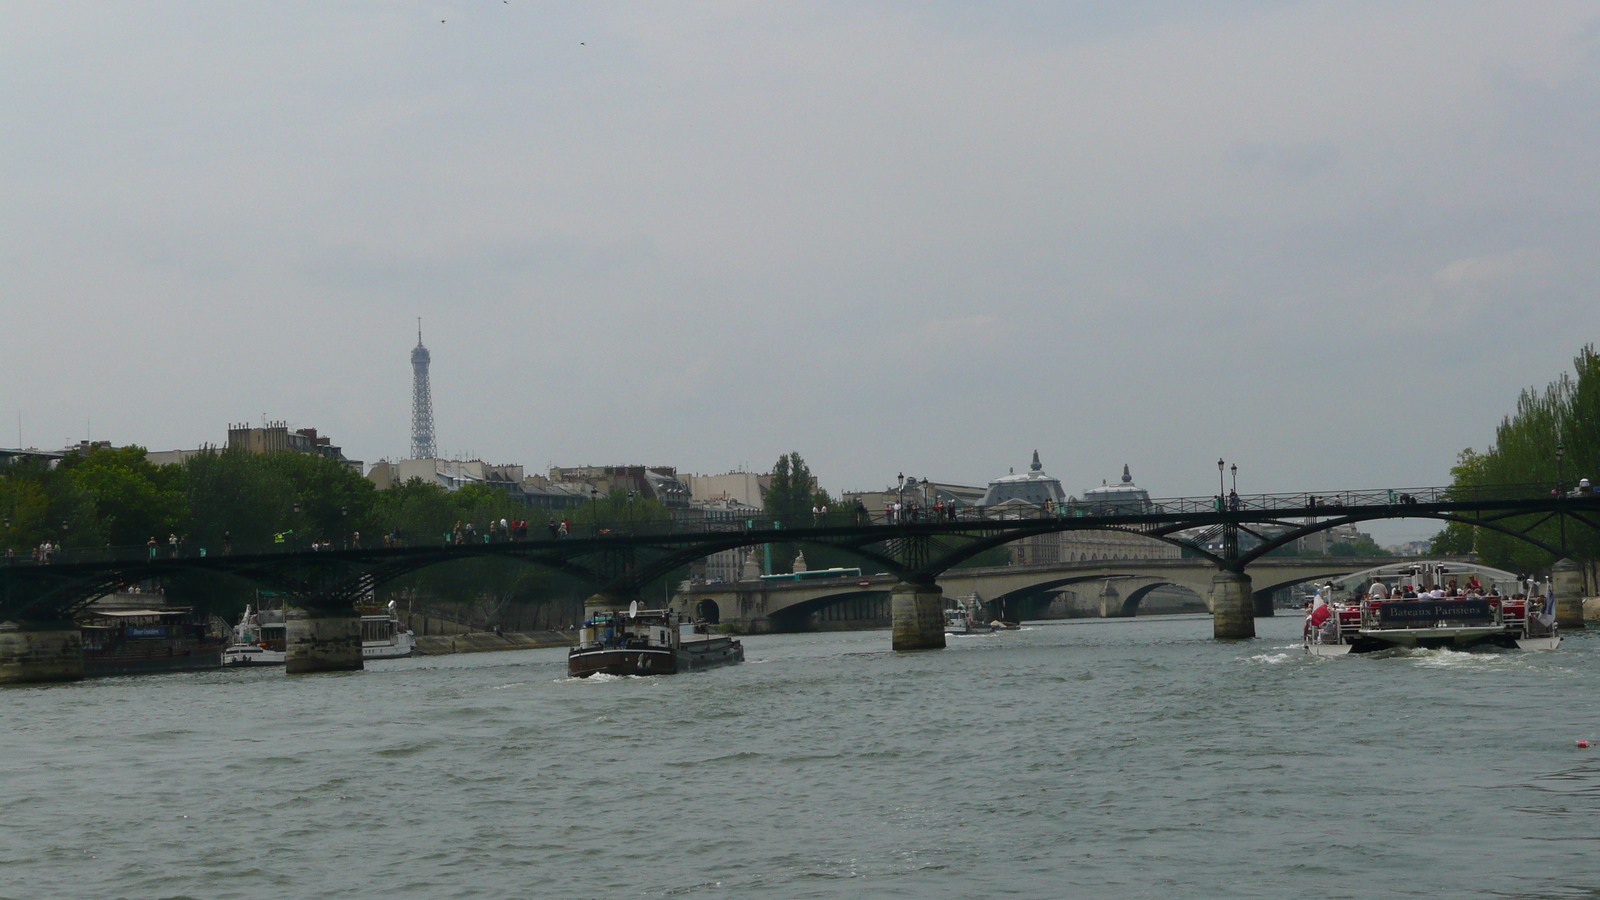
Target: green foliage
point(792, 493)
point(235, 493)
point(133, 499)
point(1567, 411)
point(38, 503)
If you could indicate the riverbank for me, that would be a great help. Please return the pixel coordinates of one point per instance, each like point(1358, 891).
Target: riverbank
point(488, 641)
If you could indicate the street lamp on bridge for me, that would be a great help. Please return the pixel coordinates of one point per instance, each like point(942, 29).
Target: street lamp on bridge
point(1561, 489)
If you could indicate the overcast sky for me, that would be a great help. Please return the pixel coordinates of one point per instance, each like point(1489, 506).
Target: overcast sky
point(1329, 241)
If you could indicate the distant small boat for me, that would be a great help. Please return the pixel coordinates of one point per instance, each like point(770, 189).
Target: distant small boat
point(648, 642)
point(959, 621)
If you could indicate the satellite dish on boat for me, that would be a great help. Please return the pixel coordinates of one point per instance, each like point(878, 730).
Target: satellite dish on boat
point(633, 610)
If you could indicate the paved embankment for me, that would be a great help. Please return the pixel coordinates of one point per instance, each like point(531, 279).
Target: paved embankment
point(485, 641)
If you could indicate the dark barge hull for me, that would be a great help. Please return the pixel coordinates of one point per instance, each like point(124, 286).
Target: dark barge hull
point(110, 666)
point(707, 654)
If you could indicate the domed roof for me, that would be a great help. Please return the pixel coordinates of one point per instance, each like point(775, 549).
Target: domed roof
point(1032, 486)
point(1123, 497)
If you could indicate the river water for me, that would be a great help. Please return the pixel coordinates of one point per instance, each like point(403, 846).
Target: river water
point(1100, 758)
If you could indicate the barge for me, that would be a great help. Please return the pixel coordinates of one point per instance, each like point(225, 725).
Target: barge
point(648, 642)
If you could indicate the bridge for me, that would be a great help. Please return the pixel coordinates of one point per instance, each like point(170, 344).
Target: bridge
point(1119, 586)
point(38, 640)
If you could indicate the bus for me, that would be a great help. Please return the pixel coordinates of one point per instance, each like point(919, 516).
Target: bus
point(814, 575)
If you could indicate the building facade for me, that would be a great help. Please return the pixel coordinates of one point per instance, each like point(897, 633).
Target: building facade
point(276, 437)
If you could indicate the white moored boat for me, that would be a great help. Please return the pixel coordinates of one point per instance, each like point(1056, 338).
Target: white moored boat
point(383, 636)
point(966, 618)
point(1430, 606)
point(258, 639)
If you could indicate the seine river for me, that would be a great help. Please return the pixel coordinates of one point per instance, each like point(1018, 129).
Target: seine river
point(1121, 758)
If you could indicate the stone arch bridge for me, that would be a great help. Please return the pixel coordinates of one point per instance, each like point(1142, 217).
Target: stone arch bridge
point(1118, 587)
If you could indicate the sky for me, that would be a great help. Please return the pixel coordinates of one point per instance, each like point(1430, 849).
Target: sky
point(1328, 242)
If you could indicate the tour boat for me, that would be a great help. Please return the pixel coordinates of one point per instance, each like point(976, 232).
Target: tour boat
point(258, 639)
point(1364, 623)
point(383, 636)
point(648, 642)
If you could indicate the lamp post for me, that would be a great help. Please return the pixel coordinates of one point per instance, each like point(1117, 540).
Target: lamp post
point(594, 508)
point(1235, 470)
point(1222, 489)
point(1561, 491)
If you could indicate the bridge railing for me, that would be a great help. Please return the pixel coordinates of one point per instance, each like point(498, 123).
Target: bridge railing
point(1297, 504)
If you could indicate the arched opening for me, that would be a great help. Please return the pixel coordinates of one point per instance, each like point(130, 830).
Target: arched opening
point(1163, 599)
point(708, 610)
point(835, 612)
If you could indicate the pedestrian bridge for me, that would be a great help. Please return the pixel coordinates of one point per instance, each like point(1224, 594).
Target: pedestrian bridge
point(1115, 588)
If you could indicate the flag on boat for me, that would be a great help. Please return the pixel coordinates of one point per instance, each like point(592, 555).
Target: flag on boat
point(1547, 614)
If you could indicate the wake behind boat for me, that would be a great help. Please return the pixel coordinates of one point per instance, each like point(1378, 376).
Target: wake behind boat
point(648, 642)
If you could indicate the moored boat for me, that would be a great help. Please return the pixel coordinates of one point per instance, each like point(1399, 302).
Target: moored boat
point(967, 618)
point(142, 641)
point(258, 639)
point(384, 636)
point(648, 642)
point(1424, 606)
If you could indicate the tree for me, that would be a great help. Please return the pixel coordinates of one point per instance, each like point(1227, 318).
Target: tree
point(39, 503)
point(792, 492)
point(133, 499)
point(236, 494)
point(1566, 413)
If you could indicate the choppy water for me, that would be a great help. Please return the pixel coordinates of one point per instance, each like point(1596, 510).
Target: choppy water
point(1123, 758)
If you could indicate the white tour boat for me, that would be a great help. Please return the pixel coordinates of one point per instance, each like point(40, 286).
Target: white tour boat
point(258, 639)
point(1430, 606)
point(384, 637)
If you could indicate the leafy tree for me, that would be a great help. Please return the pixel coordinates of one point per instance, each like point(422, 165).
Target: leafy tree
point(133, 499)
point(792, 492)
point(39, 503)
point(236, 494)
point(1567, 412)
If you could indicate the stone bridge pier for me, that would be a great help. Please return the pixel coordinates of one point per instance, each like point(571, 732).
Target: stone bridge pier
point(918, 611)
point(321, 638)
point(1566, 579)
point(1233, 605)
point(1111, 605)
point(36, 651)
